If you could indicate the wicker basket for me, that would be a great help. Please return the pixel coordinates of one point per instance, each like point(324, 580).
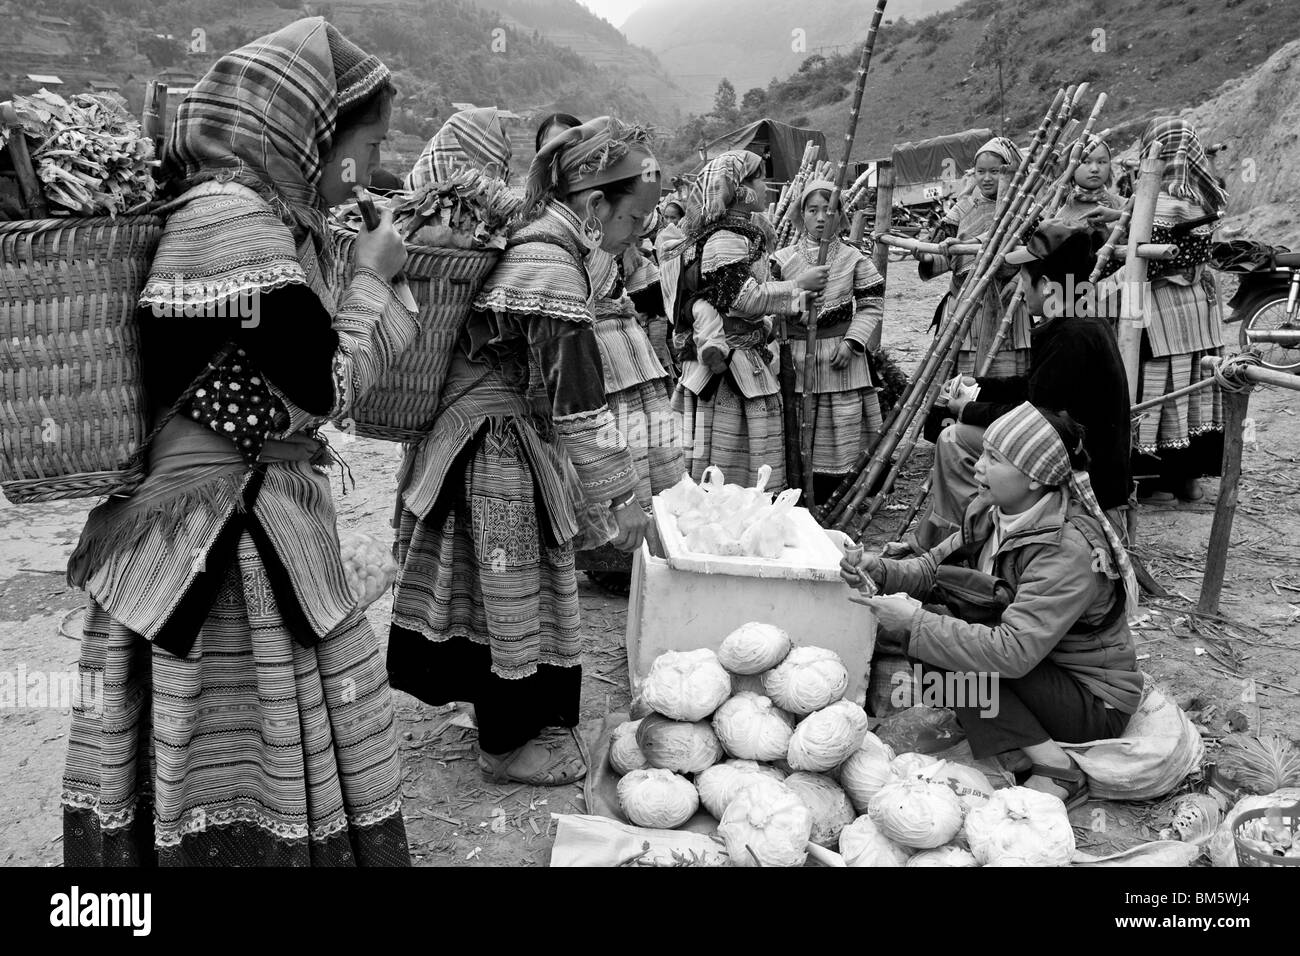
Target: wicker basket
point(1247, 855)
point(401, 405)
point(72, 410)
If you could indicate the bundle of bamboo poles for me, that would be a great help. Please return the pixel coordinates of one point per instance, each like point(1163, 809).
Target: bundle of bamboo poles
point(856, 193)
point(1027, 196)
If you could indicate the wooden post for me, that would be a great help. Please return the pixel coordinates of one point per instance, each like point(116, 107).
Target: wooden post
point(154, 117)
point(884, 213)
point(1134, 297)
point(1216, 559)
point(32, 194)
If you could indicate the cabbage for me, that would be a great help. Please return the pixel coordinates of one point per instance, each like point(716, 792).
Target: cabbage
point(766, 824)
point(916, 813)
point(1222, 848)
point(831, 810)
point(863, 774)
point(657, 798)
point(970, 785)
point(912, 765)
point(753, 648)
point(826, 738)
point(808, 679)
point(679, 745)
point(624, 755)
point(720, 784)
point(686, 685)
point(871, 742)
point(1020, 827)
point(862, 844)
point(750, 727)
point(944, 856)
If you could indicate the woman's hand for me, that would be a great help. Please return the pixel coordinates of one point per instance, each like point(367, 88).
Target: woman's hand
point(893, 612)
point(869, 565)
point(813, 279)
point(955, 405)
point(632, 524)
point(381, 250)
point(843, 355)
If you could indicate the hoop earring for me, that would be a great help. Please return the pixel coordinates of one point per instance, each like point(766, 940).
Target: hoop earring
point(592, 233)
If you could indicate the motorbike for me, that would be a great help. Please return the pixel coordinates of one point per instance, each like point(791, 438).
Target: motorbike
point(1267, 301)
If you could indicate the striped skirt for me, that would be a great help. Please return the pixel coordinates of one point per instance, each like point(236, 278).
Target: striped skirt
point(1183, 438)
point(644, 415)
point(249, 751)
point(843, 424)
point(737, 434)
point(479, 567)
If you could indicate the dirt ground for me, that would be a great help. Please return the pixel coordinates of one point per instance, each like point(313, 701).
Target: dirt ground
point(455, 818)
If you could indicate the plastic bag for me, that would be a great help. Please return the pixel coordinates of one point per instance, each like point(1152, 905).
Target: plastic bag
point(1159, 748)
point(368, 565)
point(922, 730)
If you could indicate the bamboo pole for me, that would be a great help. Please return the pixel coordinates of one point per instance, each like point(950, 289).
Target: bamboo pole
point(1225, 508)
point(831, 233)
point(851, 493)
point(859, 225)
point(1004, 235)
point(154, 117)
point(1133, 304)
point(884, 213)
point(790, 401)
point(1147, 250)
point(1107, 252)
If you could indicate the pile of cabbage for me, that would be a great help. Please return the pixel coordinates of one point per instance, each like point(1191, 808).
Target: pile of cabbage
point(730, 520)
point(760, 736)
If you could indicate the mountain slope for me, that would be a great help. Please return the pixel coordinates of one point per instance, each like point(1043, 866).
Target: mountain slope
point(750, 42)
point(1159, 56)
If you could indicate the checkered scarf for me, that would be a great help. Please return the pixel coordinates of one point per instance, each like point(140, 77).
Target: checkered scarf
point(580, 154)
point(1005, 149)
point(264, 116)
point(1188, 174)
point(1029, 442)
point(715, 191)
point(473, 138)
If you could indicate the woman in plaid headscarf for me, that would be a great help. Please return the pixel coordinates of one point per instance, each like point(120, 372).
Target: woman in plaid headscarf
point(471, 139)
point(970, 218)
point(524, 461)
point(1033, 593)
point(1181, 441)
point(246, 717)
point(728, 395)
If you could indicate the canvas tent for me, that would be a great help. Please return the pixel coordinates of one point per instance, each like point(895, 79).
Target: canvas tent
point(781, 146)
point(935, 168)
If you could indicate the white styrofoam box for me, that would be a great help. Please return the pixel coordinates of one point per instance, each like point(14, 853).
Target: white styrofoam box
point(686, 601)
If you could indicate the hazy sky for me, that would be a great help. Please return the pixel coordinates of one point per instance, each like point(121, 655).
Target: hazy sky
point(615, 11)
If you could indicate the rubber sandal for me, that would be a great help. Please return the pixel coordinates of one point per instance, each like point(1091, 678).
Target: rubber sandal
point(1071, 778)
point(561, 768)
point(1158, 498)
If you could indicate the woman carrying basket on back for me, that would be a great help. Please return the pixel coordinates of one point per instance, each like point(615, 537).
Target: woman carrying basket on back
point(523, 459)
point(247, 718)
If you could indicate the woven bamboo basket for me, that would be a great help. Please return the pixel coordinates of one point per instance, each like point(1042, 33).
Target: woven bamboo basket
point(72, 410)
point(402, 404)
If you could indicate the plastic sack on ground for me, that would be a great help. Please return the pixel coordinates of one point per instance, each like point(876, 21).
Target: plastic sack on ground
point(1159, 747)
point(583, 840)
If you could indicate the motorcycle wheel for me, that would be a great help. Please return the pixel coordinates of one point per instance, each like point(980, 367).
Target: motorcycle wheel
point(1269, 315)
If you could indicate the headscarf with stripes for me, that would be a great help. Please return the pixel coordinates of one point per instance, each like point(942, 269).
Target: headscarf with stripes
point(1033, 445)
point(265, 116)
point(471, 138)
point(1005, 149)
point(1188, 174)
point(715, 191)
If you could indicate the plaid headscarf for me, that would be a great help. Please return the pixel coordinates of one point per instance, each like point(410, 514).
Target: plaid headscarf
point(600, 151)
point(265, 116)
point(1188, 174)
point(1004, 148)
point(473, 138)
point(1032, 444)
point(714, 193)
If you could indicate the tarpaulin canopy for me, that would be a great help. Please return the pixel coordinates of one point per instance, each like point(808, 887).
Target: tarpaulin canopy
point(782, 145)
point(944, 157)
